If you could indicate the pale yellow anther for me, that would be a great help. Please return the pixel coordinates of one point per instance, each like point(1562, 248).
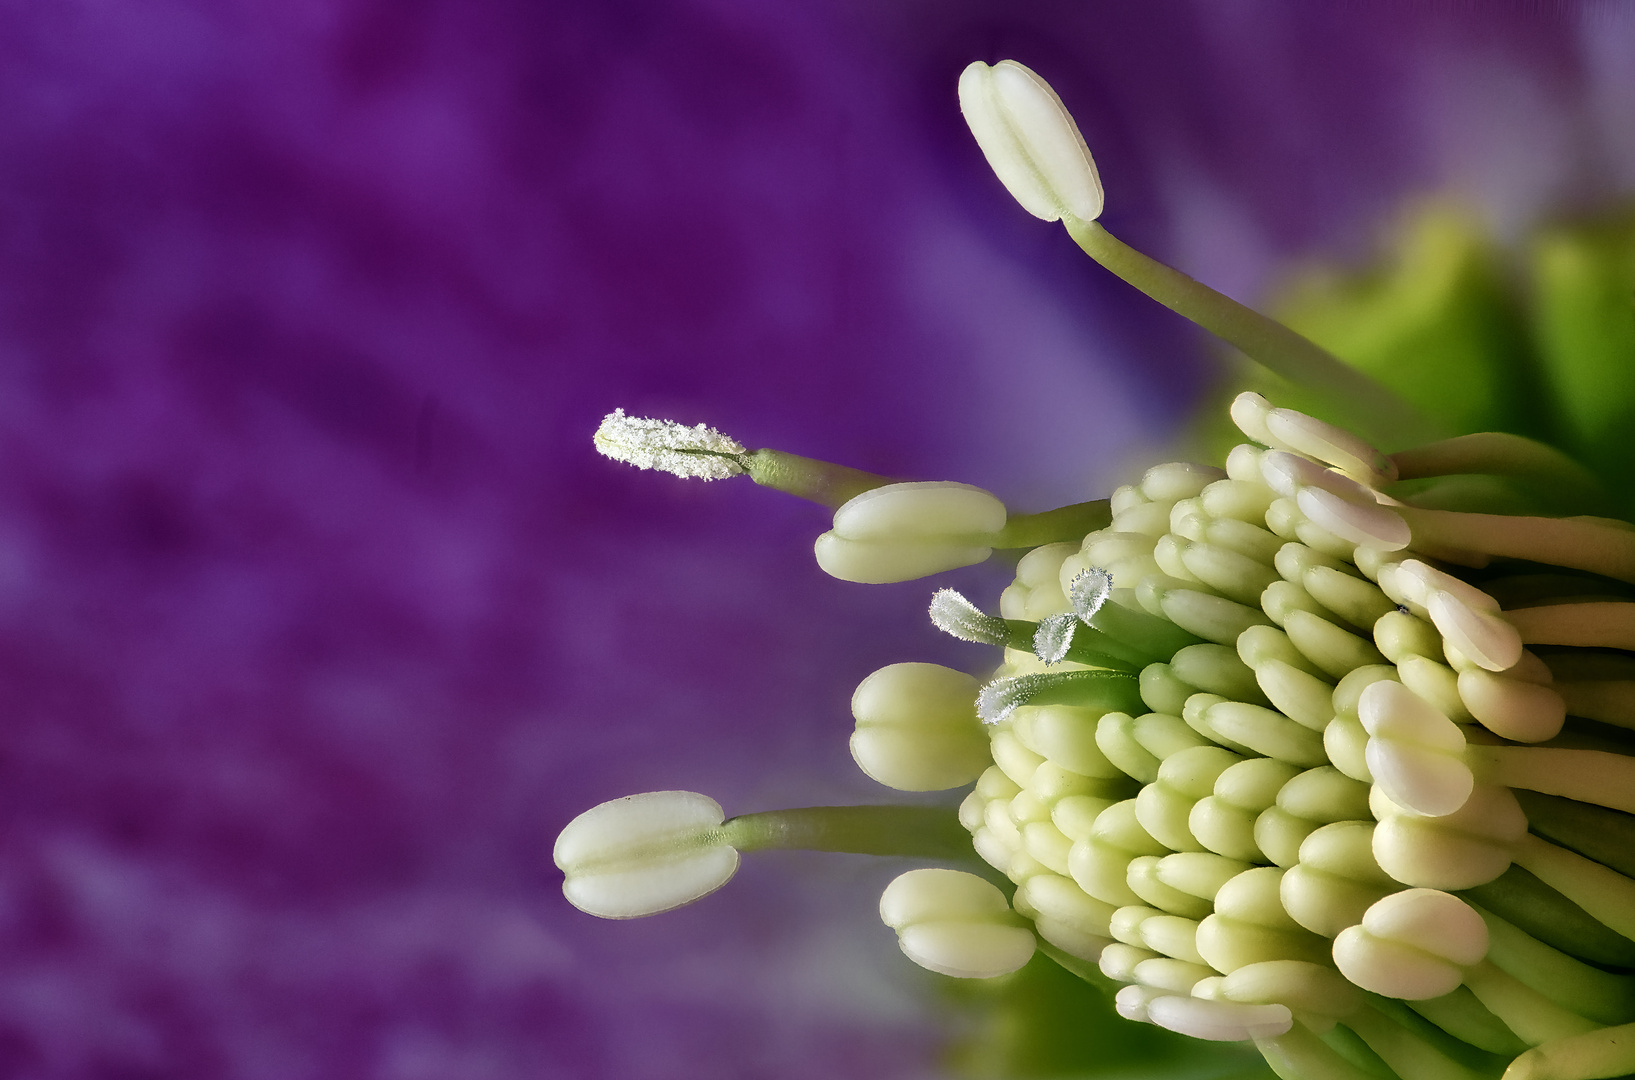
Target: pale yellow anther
point(900, 532)
point(1030, 141)
point(1414, 753)
point(644, 854)
point(1412, 945)
point(917, 728)
point(956, 924)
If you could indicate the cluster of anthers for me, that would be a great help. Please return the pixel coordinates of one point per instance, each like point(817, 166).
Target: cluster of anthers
point(1287, 753)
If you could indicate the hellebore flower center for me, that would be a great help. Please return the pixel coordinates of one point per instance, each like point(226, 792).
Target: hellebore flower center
point(1287, 758)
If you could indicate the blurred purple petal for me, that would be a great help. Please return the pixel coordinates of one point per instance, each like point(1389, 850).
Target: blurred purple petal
point(318, 614)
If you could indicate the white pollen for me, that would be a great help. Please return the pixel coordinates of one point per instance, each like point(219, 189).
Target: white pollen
point(699, 451)
point(1089, 591)
point(953, 614)
point(1054, 637)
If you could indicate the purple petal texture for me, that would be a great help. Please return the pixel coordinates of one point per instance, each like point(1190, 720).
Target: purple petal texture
point(318, 615)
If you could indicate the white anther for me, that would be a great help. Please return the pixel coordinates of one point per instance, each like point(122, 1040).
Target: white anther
point(1412, 945)
point(1340, 448)
point(904, 531)
point(1132, 1002)
point(1414, 752)
point(1249, 412)
point(1487, 640)
point(1372, 526)
point(956, 924)
point(1417, 580)
point(1030, 141)
point(917, 728)
point(1219, 1021)
point(644, 854)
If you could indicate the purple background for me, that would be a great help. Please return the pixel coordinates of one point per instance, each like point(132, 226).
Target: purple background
point(318, 615)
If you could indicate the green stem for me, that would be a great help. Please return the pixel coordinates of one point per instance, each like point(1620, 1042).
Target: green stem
point(1599, 545)
point(1608, 624)
point(1065, 523)
point(1599, 995)
point(1363, 404)
point(1467, 1020)
point(1607, 1052)
point(1405, 1052)
point(1300, 1055)
point(1603, 893)
point(930, 832)
point(1543, 468)
point(1595, 832)
point(1115, 691)
point(1524, 1010)
point(1351, 1046)
point(1608, 701)
point(1090, 646)
point(1521, 898)
point(1156, 639)
point(807, 478)
point(1590, 776)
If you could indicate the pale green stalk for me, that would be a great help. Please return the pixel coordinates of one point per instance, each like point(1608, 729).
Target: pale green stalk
point(1361, 403)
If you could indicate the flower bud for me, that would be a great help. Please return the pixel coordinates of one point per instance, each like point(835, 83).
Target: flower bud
point(1030, 141)
point(956, 924)
point(644, 854)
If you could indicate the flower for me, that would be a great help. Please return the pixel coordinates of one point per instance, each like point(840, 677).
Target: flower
point(1248, 795)
point(318, 614)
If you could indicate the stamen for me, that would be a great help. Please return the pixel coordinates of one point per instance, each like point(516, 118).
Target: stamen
point(899, 532)
point(1371, 526)
point(1030, 141)
point(1598, 545)
point(1589, 776)
point(917, 728)
point(667, 446)
point(1606, 624)
point(1503, 454)
point(922, 832)
point(1311, 988)
point(1414, 752)
point(1412, 945)
point(1488, 640)
point(1332, 445)
point(956, 924)
point(1219, 1021)
point(644, 854)
point(1463, 850)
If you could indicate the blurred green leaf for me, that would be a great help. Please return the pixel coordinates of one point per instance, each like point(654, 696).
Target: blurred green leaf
point(1044, 1023)
point(1582, 285)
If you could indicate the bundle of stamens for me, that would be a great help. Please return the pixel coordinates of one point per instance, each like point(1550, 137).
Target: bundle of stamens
point(1273, 750)
point(1307, 779)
